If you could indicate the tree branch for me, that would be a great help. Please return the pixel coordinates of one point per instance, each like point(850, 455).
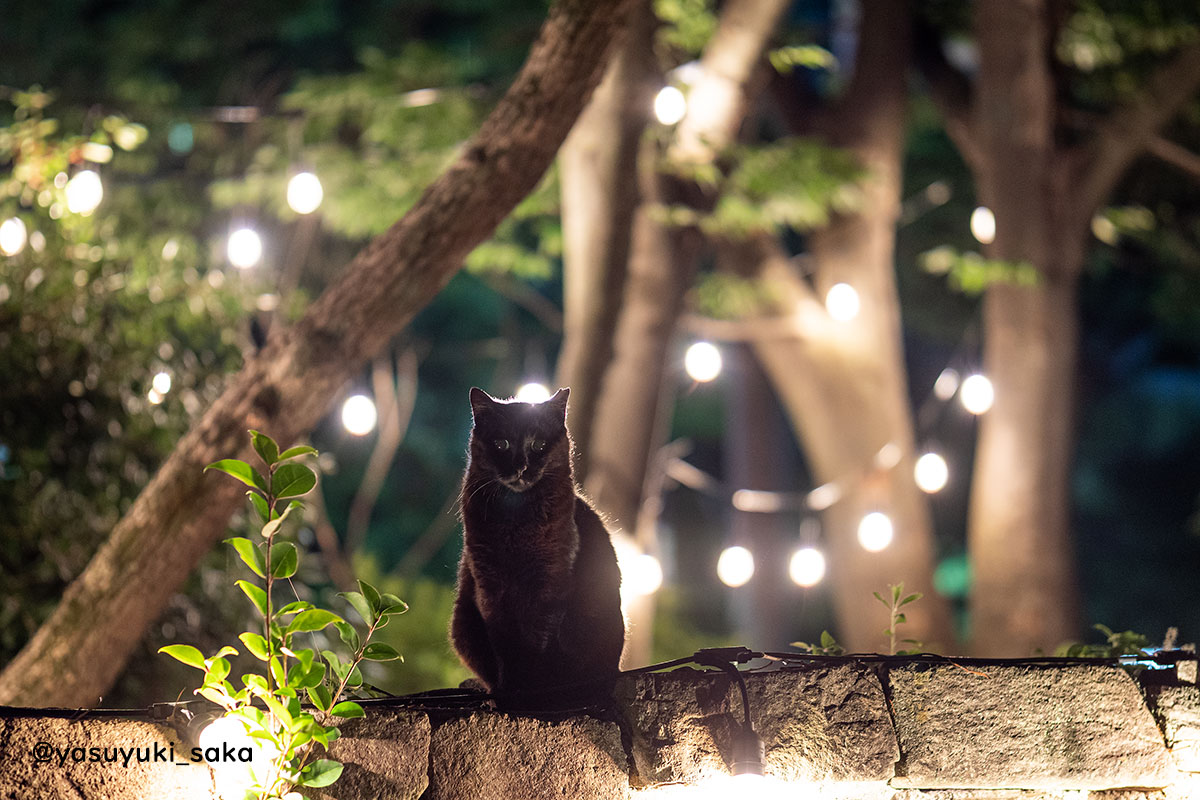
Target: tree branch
point(949, 88)
point(285, 389)
point(1128, 130)
point(1174, 154)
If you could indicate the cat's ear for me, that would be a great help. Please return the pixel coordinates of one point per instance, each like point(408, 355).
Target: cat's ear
point(480, 401)
point(559, 401)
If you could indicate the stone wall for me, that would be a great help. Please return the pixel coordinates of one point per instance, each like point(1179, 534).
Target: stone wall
point(852, 730)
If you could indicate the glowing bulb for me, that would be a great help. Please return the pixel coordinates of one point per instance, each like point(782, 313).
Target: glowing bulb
point(669, 105)
point(245, 248)
point(642, 573)
point(977, 394)
point(359, 415)
point(12, 236)
point(702, 361)
point(807, 566)
point(304, 193)
point(946, 384)
point(842, 303)
point(735, 567)
point(533, 392)
point(983, 225)
point(931, 473)
point(234, 777)
point(875, 531)
point(84, 192)
point(161, 382)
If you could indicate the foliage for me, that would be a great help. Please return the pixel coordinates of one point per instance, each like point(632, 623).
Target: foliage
point(1124, 643)
point(288, 731)
point(725, 296)
point(91, 310)
point(791, 183)
point(809, 56)
point(895, 601)
point(687, 25)
point(971, 273)
point(828, 646)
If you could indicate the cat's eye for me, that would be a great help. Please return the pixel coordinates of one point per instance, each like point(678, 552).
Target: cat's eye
point(500, 444)
point(537, 445)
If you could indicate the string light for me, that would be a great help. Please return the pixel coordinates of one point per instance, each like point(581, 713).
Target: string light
point(735, 566)
point(84, 192)
point(842, 302)
point(670, 105)
point(977, 394)
point(304, 193)
point(983, 225)
point(807, 567)
point(931, 473)
point(13, 236)
point(359, 415)
point(533, 392)
point(244, 248)
point(875, 532)
point(702, 362)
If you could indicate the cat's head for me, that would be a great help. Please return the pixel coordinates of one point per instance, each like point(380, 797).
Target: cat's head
point(518, 443)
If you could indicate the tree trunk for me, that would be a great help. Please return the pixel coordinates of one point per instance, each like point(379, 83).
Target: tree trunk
point(1024, 595)
point(75, 656)
point(663, 260)
point(598, 173)
point(844, 384)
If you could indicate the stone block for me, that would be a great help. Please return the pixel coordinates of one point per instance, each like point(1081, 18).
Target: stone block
point(97, 759)
point(1177, 709)
point(1028, 727)
point(492, 756)
point(384, 755)
point(817, 724)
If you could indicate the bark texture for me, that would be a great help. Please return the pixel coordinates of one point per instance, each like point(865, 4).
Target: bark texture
point(1024, 592)
point(78, 652)
point(598, 174)
point(843, 383)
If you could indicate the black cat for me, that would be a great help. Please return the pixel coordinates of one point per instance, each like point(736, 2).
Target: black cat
point(538, 612)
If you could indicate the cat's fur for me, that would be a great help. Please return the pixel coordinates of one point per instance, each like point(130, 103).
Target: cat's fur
point(538, 611)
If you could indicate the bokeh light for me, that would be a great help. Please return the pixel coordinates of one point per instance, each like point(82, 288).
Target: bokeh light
point(977, 394)
point(245, 248)
point(931, 472)
point(304, 193)
point(842, 303)
point(359, 415)
point(13, 236)
point(533, 392)
point(875, 531)
point(670, 105)
point(735, 566)
point(807, 566)
point(983, 225)
point(702, 362)
point(84, 192)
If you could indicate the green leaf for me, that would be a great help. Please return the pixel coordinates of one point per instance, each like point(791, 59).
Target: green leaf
point(390, 604)
point(827, 640)
point(911, 598)
point(272, 527)
point(185, 653)
point(242, 471)
point(348, 634)
point(295, 607)
point(215, 695)
point(218, 669)
point(348, 710)
point(260, 505)
point(314, 619)
point(300, 677)
point(299, 450)
point(360, 605)
point(265, 447)
point(320, 696)
point(320, 773)
point(372, 596)
point(378, 651)
point(255, 643)
point(250, 554)
point(256, 595)
point(225, 651)
point(284, 560)
point(292, 480)
point(879, 598)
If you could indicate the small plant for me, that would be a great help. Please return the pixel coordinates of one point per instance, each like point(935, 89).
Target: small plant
point(827, 647)
point(1124, 643)
point(894, 603)
point(269, 705)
